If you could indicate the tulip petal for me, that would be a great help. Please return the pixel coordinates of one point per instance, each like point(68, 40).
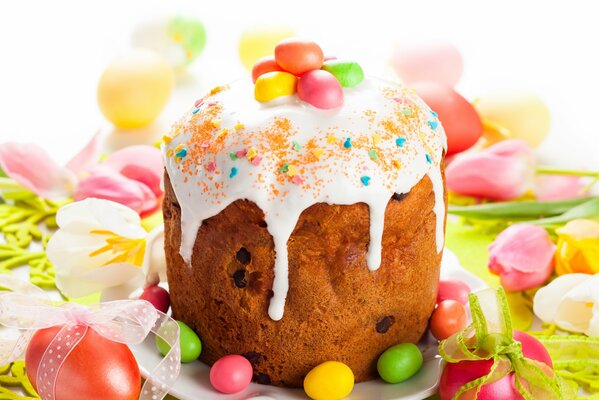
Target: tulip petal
point(580, 308)
point(104, 183)
point(558, 187)
point(140, 163)
point(87, 157)
point(31, 167)
point(78, 284)
point(548, 298)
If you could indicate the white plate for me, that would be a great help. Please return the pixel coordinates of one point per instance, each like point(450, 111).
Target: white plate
point(194, 383)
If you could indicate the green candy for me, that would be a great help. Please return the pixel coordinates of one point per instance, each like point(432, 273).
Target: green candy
point(399, 362)
point(348, 73)
point(189, 342)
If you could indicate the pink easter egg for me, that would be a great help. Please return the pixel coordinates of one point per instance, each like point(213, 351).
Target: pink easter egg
point(459, 118)
point(158, 297)
point(231, 374)
point(320, 89)
point(436, 61)
point(452, 289)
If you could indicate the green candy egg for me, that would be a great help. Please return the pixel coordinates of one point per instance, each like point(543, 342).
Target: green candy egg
point(348, 73)
point(399, 362)
point(189, 342)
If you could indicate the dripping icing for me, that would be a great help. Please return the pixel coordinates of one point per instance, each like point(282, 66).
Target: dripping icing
point(371, 107)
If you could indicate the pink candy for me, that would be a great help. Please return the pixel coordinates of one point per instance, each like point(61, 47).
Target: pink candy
point(231, 374)
point(452, 289)
point(320, 89)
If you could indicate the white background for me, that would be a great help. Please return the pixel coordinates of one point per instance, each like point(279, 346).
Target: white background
point(53, 52)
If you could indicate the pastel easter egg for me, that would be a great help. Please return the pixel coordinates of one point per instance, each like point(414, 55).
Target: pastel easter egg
point(331, 380)
point(231, 374)
point(95, 369)
point(260, 41)
point(448, 318)
point(320, 89)
point(274, 84)
point(134, 88)
point(399, 363)
point(298, 55)
point(180, 40)
point(264, 65)
point(524, 115)
point(189, 342)
point(348, 73)
point(460, 120)
point(455, 375)
point(453, 289)
point(158, 297)
point(439, 62)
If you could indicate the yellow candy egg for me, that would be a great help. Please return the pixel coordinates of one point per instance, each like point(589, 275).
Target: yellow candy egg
point(134, 89)
point(258, 42)
point(331, 380)
point(274, 84)
point(517, 114)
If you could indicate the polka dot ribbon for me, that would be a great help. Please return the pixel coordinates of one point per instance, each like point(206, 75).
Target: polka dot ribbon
point(26, 308)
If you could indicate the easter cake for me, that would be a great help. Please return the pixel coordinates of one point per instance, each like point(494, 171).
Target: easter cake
point(304, 216)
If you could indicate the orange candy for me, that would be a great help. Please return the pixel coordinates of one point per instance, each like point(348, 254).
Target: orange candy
point(298, 56)
point(264, 65)
point(448, 318)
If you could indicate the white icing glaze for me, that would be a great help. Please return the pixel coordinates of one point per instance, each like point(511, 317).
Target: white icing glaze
point(374, 115)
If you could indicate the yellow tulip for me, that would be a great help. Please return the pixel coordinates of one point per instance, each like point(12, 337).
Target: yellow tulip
point(578, 247)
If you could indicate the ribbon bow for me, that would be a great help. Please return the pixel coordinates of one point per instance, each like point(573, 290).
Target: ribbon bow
point(28, 308)
point(489, 337)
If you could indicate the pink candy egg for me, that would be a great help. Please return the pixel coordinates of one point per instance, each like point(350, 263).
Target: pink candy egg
point(231, 374)
point(437, 62)
point(452, 289)
point(158, 297)
point(460, 120)
point(320, 89)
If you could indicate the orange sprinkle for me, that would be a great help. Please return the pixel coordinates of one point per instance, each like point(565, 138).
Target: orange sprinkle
point(215, 122)
point(318, 152)
point(239, 126)
point(167, 139)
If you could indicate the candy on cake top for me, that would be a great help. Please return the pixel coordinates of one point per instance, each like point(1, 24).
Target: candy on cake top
point(286, 155)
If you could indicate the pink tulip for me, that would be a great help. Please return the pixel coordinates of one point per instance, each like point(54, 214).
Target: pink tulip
point(522, 255)
point(558, 187)
point(503, 171)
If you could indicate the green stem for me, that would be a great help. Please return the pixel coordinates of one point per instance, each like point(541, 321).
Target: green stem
point(545, 170)
point(7, 183)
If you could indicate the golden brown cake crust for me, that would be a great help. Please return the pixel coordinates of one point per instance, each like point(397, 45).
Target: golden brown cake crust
point(336, 309)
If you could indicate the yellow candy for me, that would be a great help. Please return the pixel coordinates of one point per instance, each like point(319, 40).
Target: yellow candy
point(258, 42)
point(134, 89)
point(519, 115)
point(331, 380)
point(274, 84)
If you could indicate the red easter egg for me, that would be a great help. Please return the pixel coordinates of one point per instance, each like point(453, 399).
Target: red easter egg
point(158, 297)
point(96, 369)
point(298, 56)
point(231, 374)
point(452, 289)
point(264, 65)
point(455, 375)
point(321, 89)
point(448, 318)
point(460, 120)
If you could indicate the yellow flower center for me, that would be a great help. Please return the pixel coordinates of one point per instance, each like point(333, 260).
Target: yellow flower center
point(125, 250)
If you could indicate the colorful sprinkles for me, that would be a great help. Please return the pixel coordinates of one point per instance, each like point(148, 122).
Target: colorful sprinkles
point(347, 144)
point(433, 124)
point(234, 172)
point(365, 180)
point(400, 141)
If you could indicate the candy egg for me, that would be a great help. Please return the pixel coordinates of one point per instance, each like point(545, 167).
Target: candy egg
point(191, 346)
point(134, 88)
point(258, 42)
point(180, 40)
point(274, 84)
point(321, 89)
point(438, 62)
point(399, 363)
point(522, 114)
point(348, 73)
point(331, 380)
point(460, 120)
point(264, 65)
point(448, 318)
point(158, 297)
point(452, 289)
point(298, 55)
point(231, 374)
